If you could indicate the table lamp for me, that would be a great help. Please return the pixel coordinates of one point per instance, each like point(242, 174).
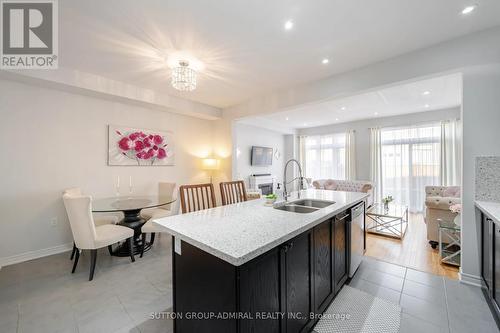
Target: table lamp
point(210, 164)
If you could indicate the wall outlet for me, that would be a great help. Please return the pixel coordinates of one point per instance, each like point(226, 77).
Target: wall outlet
point(53, 222)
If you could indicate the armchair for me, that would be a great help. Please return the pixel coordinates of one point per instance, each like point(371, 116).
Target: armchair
point(438, 200)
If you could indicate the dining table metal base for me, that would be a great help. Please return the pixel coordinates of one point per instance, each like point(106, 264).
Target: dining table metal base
point(132, 219)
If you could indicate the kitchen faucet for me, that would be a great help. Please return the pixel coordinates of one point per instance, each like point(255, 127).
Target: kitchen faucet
point(300, 178)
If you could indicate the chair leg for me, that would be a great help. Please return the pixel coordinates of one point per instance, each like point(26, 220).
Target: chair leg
point(93, 258)
point(77, 256)
point(152, 238)
point(143, 241)
point(131, 248)
point(73, 252)
point(110, 250)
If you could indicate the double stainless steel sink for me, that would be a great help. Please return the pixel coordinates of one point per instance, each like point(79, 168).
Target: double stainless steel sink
point(304, 206)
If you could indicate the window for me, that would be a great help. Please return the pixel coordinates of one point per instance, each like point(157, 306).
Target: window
point(325, 156)
point(410, 161)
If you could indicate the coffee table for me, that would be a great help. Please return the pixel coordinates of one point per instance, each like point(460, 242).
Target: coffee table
point(391, 222)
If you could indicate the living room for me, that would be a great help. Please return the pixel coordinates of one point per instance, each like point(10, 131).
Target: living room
point(400, 142)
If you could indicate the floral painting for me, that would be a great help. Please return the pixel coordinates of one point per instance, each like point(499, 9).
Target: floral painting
point(132, 146)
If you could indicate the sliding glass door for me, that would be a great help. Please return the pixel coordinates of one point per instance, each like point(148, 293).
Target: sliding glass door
point(410, 161)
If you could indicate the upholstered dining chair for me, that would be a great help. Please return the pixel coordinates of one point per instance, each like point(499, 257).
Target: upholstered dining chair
point(233, 192)
point(98, 219)
point(196, 197)
point(164, 189)
point(87, 235)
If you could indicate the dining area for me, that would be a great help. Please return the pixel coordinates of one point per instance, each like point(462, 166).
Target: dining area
point(124, 223)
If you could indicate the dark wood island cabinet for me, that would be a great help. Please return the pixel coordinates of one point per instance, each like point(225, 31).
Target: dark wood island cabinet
point(282, 290)
point(490, 263)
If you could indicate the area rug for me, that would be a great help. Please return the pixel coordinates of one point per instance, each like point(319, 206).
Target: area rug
point(354, 311)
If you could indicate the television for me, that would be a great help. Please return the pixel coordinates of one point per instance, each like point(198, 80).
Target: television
point(262, 156)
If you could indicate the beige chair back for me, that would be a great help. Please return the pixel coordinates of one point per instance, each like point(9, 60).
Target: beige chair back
point(166, 190)
point(79, 209)
point(73, 191)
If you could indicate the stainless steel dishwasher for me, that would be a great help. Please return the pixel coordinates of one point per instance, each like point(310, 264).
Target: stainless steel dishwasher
point(357, 237)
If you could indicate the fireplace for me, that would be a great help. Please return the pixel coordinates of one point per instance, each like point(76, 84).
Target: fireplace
point(263, 182)
point(266, 188)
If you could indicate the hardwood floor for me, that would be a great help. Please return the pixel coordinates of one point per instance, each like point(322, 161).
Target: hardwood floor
point(412, 251)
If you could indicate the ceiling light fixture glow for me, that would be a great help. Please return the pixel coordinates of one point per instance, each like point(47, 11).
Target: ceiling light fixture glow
point(426, 106)
point(343, 108)
point(376, 113)
point(286, 118)
point(183, 77)
point(469, 9)
point(325, 61)
point(425, 93)
point(288, 25)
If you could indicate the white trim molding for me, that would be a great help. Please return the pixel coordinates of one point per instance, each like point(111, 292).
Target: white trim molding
point(30, 255)
point(472, 280)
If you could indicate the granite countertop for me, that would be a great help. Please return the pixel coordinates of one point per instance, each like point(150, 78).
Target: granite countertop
point(491, 209)
point(240, 232)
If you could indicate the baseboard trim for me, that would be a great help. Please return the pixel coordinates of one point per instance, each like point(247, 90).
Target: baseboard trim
point(472, 280)
point(18, 258)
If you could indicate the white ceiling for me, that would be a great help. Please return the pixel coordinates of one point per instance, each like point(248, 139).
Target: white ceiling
point(421, 96)
point(242, 44)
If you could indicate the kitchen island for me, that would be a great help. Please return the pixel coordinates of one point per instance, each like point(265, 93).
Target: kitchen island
point(251, 268)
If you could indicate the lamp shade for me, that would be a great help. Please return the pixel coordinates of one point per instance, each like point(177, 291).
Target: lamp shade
point(210, 164)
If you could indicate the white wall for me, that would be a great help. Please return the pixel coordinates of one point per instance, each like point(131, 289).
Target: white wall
point(246, 136)
point(481, 132)
point(362, 128)
point(52, 140)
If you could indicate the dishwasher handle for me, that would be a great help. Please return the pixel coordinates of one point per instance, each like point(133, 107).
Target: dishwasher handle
point(357, 210)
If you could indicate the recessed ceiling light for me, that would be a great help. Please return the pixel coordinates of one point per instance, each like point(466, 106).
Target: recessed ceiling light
point(376, 113)
point(469, 9)
point(336, 119)
point(426, 106)
point(286, 118)
point(288, 25)
point(325, 61)
point(305, 124)
point(343, 108)
point(427, 92)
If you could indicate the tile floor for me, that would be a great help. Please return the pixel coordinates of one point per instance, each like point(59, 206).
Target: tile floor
point(430, 303)
point(42, 296)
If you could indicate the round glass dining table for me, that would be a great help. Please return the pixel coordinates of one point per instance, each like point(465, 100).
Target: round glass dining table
point(131, 207)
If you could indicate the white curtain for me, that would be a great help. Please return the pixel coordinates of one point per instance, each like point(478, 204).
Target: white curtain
point(302, 153)
point(350, 155)
point(450, 152)
point(376, 162)
point(410, 161)
point(325, 156)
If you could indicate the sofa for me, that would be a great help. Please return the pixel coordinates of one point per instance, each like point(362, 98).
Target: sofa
point(347, 186)
point(438, 200)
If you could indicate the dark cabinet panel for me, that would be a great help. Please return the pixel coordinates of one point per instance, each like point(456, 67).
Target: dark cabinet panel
point(341, 244)
point(323, 265)
point(259, 284)
point(298, 282)
point(490, 264)
point(487, 250)
point(496, 288)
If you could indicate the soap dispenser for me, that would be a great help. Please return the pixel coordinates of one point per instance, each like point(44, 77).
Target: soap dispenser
point(279, 192)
